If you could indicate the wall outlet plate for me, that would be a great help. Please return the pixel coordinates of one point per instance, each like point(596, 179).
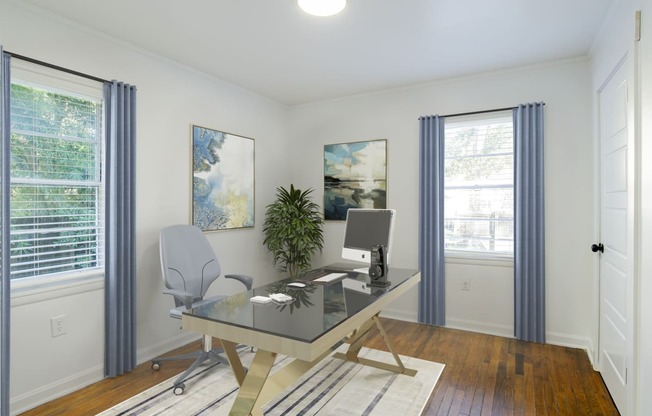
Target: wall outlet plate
point(466, 284)
point(58, 325)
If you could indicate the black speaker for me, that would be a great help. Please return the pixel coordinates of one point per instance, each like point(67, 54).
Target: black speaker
point(378, 266)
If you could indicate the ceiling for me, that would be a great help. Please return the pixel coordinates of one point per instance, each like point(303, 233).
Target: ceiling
point(272, 48)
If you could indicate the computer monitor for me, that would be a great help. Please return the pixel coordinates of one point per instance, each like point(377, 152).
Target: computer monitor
point(366, 228)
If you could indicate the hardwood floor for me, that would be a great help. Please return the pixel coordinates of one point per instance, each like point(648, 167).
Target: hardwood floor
point(487, 375)
point(484, 375)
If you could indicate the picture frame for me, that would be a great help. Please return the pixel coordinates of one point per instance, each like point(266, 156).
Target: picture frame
point(355, 176)
point(223, 180)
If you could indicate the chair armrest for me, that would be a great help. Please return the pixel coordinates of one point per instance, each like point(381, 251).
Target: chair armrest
point(183, 297)
point(246, 280)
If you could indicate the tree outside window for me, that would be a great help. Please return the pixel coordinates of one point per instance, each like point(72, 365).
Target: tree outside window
point(479, 184)
point(56, 182)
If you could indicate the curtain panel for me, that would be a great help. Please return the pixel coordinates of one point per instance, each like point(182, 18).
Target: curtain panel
point(432, 296)
point(529, 231)
point(120, 273)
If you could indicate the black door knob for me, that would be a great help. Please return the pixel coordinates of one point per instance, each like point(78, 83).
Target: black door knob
point(597, 247)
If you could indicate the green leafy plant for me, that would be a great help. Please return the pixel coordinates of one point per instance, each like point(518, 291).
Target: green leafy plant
point(293, 230)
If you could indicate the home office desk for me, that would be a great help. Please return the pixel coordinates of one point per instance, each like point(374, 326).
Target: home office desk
point(308, 329)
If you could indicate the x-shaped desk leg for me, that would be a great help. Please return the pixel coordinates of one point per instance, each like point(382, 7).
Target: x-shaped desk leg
point(251, 384)
point(256, 386)
point(357, 340)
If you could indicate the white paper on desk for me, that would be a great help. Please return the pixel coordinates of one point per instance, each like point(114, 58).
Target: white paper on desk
point(281, 297)
point(260, 299)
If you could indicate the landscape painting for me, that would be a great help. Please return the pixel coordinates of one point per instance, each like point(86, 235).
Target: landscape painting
point(355, 176)
point(222, 180)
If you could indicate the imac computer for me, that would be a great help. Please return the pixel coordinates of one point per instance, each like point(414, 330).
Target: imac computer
point(366, 228)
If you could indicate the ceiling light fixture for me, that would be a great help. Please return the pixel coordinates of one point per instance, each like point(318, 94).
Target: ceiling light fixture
point(322, 7)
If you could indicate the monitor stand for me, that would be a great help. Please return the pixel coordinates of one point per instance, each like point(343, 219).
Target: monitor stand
point(381, 283)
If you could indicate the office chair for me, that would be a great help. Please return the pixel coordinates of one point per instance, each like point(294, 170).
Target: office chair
point(189, 266)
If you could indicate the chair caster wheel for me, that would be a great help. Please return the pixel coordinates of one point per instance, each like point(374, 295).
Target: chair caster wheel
point(156, 366)
point(179, 388)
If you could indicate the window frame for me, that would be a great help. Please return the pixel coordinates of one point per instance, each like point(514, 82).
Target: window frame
point(481, 257)
point(48, 286)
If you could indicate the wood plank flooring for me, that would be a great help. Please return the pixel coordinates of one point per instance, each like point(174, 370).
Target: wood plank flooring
point(484, 375)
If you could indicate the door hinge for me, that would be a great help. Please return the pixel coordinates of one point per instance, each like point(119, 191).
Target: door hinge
point(637, 26)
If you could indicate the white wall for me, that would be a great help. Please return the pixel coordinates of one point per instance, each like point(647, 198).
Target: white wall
point(392, 115)
point(170, 99)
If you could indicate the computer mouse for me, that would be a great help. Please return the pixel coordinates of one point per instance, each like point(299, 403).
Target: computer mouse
point(296, 284)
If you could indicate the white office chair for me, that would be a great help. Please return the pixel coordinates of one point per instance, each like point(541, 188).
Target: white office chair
point(189, 266)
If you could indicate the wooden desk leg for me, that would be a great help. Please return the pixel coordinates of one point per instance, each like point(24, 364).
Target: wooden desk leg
point(253, 383)
point(356, 345)
point(234, 360)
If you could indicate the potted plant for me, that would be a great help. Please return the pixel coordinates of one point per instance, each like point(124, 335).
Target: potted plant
point(293, 230)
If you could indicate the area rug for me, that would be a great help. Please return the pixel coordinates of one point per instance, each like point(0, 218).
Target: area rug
point(332, 387)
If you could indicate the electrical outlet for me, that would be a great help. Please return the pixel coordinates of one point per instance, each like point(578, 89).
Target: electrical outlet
point(58, 325)
point(466, 284)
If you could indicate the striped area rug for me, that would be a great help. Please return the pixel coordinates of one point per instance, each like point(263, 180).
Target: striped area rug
point(332, 387)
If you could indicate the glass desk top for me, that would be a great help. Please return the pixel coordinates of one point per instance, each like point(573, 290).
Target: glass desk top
point(315, 310)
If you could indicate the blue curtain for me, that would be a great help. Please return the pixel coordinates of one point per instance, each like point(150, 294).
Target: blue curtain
point(120, 287)
point(432, 296)
point(5, 295)
point(529, 231)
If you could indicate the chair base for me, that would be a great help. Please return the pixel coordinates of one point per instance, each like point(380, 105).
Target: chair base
point(207, 353)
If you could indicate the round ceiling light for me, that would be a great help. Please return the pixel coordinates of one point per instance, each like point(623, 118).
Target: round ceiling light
point(322, 7)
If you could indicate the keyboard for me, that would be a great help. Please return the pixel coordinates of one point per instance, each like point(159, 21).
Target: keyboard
point(330, 277)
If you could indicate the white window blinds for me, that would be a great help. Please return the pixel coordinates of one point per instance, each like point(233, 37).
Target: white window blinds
point(479, 183)
point(56, 181)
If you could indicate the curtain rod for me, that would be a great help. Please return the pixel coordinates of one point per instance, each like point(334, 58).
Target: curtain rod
point(481, 112)
point(57, 67)
point(471, 113)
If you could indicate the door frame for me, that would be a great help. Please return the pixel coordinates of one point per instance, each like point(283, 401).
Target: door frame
point(631, 60)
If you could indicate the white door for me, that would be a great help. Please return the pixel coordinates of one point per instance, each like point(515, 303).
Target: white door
point(616, 272)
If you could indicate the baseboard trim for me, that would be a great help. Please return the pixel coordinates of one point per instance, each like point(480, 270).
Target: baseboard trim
point(480, 327)
point(24, 402)
point(153, 351)
point(399, 314)
point(553, 338)
point(572, 341)
point(74, 382)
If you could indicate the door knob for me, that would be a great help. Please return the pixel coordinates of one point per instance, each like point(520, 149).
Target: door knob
point(597, 247)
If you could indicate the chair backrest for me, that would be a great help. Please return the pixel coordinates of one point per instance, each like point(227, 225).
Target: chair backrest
point(188, 261)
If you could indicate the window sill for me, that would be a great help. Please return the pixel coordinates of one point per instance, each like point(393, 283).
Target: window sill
point(34, 290)
point(479, 259)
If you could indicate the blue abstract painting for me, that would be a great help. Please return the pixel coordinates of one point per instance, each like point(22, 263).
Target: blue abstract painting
point(355, 176)
point(222, 180)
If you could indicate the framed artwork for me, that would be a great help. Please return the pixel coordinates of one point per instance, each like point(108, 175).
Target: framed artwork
point(222, 180)
point(355, 176)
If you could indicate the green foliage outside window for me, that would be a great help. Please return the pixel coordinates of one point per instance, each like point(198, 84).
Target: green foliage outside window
point(479, 178)
point(56, 182)
point(469, 159)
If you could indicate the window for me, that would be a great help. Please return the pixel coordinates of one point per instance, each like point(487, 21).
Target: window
point(479, 183)
point(56, 179)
